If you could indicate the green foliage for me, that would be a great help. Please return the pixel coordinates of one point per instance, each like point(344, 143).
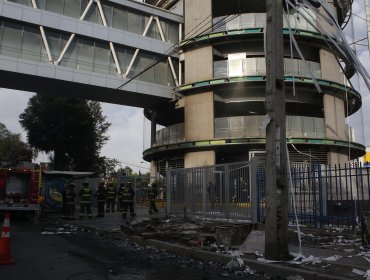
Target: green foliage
point(74, 130)
point(12, 149)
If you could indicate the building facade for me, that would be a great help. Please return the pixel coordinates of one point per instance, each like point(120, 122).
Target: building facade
point(218, 112)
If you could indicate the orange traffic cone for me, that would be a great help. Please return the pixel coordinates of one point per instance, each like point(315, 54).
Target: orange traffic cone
point(5, 257)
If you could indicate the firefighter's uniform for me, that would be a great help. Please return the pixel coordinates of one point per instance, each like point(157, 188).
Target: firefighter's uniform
point(85, 200)
point(120, 197)
point(101, 196)
point(111, 197)
point(128, 195)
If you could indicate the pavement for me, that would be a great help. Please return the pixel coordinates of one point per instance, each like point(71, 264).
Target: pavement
point(339, 257)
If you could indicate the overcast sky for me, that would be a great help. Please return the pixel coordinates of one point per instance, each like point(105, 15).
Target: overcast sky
point(126, 132)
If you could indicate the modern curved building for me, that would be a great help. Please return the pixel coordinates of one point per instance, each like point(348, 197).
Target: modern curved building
point(218, 113)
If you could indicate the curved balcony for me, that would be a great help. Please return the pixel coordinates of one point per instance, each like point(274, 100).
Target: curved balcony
point(253, 20)
point(257, 66)
point(252, 127)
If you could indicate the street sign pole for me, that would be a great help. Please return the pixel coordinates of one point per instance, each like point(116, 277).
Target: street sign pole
point(276, 227)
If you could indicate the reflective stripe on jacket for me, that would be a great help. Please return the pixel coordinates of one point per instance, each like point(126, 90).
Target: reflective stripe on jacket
point(85, 194)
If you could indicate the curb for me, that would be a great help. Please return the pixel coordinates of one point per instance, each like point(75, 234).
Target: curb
point(275, 270)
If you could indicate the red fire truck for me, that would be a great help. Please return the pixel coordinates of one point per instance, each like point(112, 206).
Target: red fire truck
point(20, 189)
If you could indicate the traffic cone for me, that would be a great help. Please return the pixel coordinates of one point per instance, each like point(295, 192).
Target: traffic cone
point(5, 257)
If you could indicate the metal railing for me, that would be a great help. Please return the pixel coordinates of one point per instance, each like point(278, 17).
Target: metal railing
point(325, 196)
point(219, 192)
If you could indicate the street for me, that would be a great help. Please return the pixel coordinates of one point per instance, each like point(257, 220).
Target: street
point(55, 251)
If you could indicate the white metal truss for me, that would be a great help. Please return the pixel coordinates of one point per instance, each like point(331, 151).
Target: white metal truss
point(137, 50)
point(43, 36)
point(169, 58)
point(73, 34)
point(111, 45)
point(116, 62)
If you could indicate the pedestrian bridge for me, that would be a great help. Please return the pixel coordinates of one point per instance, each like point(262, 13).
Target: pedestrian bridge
point(89, 49)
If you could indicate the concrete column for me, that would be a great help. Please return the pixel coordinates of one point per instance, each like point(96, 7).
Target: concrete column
point(197, 15)
point(334, 107)
point(153, 170)
point(199, 107)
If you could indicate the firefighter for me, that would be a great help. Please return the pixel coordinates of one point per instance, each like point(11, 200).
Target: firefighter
point(70, 201)
point(120, 197)
point(128, 195)
point(85, 200)
point(111, 197)
point(152, 194)
point(101, 196)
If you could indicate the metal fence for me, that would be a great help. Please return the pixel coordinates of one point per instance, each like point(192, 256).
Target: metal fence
point(215, 192)
point(322, 195)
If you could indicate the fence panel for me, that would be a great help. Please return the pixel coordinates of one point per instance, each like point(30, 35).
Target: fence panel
point(211, 192)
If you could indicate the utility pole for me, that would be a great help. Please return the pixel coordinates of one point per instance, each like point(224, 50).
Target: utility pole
point(276, 227)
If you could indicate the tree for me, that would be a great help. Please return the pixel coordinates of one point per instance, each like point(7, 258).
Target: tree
point(12, 149)
point(73, 130)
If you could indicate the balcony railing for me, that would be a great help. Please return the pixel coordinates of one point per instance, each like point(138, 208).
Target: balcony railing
point(257, 66)
point(253, 127)
point(258, 20)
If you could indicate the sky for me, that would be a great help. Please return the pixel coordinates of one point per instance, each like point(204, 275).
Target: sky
point(127, 128)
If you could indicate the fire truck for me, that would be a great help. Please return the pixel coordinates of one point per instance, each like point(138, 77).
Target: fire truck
point(20, 189)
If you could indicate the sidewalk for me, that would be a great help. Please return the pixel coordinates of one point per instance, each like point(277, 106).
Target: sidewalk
point(319, 263)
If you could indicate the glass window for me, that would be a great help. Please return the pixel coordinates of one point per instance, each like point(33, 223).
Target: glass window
point(170, 78)
point(135, 23)
point(54, 43)
point(85, 54)
point(72, 8)
point(153, 31)
point(108, 11)
point(160, 72)
point(31, 45)
point(119, 19)
point(102, 58)
point(70, 56)
point(55, 6)
point(22, 2)
point(93, 15)
point(172, 33)
point(121, 57)
point(11, 43)
point(41, 4)
point(146, 60)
